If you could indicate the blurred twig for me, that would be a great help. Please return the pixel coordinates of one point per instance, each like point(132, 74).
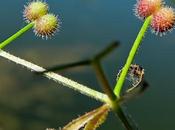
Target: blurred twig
point(104, 82)
point(66, 66)
point(87, 61)
point(106, 51)
point(95, 61)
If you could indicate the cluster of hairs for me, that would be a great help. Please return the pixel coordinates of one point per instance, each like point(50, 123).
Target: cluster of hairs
point(163, 17)
point(45, 24)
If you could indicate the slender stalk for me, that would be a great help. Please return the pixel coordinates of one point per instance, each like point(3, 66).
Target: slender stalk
point(16, 35)
point(106, 51)
point(67, 66)
point(88, 61)
point(130, 58)
point(107, 89)
point(103, 80)
point(122, 116)
point(58, 78)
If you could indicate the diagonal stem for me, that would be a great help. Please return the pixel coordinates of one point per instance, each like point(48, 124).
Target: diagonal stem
point(67, 66)
point(58, 78)
point(103, 80)
point(107, 89)
point(106, 51)
point(16, 35)
point(122, 116)
point(130, 58)
point(99, 56)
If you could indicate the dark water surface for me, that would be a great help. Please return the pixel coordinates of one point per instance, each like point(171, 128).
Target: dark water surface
point(31, 102)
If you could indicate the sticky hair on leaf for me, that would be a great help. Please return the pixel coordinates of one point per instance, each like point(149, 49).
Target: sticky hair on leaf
point(163, 21)
point(145, 8)
point(35, 10)
point(90, 120)
point(46, 26)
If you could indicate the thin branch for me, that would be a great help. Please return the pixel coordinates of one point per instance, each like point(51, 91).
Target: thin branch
point(99, 56)
point(57, 78)
point(16, 35)
point(103, 80)
point(124, 119)
point(107, 50)
point(67, 66)
point(107, 89)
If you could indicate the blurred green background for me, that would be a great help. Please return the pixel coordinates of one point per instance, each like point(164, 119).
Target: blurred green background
point(31, 102)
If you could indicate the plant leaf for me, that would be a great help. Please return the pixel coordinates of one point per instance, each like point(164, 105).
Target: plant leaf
point(97, 120)
point(90, 120)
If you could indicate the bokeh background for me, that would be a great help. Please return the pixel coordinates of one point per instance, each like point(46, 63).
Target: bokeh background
point(31, 102)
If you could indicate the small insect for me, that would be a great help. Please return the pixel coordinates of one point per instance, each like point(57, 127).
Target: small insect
point(135, 75)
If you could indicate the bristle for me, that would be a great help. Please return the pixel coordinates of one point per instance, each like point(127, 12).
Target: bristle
point(34, 10)
point(145, 8)
point(163, 21)
point(46, 26)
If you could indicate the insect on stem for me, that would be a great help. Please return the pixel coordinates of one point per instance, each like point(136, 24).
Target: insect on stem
point(130, 58)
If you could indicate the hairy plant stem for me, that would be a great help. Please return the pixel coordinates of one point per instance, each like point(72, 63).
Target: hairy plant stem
point(130, 58)
point(58, 78)
point(16, 35)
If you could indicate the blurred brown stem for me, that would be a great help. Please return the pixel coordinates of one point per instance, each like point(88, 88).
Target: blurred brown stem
point(95, 62)
point(107, 89)
point(88, 61)
point(67, 66)
point(103, 80)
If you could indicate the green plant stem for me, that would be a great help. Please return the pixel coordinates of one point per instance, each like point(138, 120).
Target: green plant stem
point(130, 58)
point(16, 35)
